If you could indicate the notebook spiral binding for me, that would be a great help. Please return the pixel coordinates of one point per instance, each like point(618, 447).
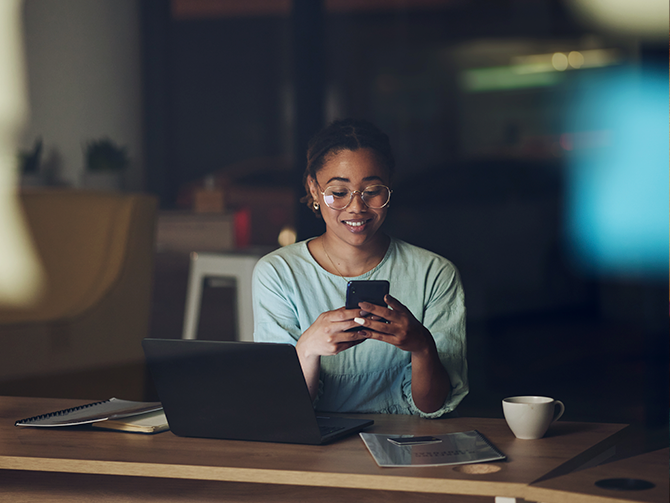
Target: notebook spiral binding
point(59, 412)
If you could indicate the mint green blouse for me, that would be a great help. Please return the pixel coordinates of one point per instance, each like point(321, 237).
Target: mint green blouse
point(290, 290)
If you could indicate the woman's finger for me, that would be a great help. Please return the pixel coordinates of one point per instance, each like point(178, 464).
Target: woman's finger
point(373, 309)
point(380, 327)
point(395, 304)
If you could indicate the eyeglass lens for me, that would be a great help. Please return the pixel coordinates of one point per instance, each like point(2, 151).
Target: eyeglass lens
point(375, 196)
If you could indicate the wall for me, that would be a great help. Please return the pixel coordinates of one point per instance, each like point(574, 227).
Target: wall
point(83, 62)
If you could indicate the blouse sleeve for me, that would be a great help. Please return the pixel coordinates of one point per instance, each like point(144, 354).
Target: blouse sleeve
point(444, 317)
point(275, 316)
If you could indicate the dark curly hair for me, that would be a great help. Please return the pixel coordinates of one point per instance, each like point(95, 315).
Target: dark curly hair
point(345, 134)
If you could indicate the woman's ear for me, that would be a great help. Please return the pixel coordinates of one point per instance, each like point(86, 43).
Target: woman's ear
point(312, 188)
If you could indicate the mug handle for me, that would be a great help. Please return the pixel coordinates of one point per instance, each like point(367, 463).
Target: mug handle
point(559, 409)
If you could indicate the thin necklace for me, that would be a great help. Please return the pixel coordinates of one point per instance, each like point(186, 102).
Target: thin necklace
point(331, 260)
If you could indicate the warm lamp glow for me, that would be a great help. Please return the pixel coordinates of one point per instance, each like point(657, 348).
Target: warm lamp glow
point(559, 61)
point(647, 19)
point(576, 59)
point(20, 270)
point(287, 236)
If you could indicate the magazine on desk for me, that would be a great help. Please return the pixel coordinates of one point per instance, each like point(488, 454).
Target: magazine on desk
point(114, 411)
point(448, 449)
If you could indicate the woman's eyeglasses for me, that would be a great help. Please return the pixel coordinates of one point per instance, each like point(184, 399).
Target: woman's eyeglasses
point(374, 196)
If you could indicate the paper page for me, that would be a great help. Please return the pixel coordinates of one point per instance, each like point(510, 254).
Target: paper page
point(452, 449)
point(149, 422)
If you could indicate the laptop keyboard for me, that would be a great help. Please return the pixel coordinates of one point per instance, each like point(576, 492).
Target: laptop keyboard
point(327, 430)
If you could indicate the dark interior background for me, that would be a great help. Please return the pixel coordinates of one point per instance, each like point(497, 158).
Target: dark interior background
point(481, 178)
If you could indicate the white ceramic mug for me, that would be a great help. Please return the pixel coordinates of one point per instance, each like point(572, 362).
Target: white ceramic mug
point(529, 417)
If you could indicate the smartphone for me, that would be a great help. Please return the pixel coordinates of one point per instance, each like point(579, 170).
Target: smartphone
point(414, 440)
point(372, 291)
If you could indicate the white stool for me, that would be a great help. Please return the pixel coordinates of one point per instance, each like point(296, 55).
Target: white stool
point(236, 266)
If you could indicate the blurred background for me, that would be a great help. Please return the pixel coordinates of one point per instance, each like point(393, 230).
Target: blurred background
point(531, 139)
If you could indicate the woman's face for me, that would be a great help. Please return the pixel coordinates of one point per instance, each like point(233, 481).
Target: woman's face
point(357, 224)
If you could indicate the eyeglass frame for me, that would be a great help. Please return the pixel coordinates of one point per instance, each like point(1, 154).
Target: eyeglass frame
point(351, 195)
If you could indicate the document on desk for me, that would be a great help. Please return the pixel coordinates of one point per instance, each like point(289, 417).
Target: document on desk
point(448, 449)
point(113, 408)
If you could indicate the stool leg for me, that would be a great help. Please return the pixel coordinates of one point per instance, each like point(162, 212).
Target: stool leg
point(193, 299)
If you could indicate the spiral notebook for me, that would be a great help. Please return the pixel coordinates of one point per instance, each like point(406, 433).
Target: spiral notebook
point(113, 408)
point(458, 448)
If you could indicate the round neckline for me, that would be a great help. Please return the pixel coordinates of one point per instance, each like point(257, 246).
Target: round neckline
point(363, 276)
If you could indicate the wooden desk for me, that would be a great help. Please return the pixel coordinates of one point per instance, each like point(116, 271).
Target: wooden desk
point(139, 466)
point(580, 486)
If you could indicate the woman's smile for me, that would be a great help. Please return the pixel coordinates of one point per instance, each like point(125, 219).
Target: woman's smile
point(356, 225)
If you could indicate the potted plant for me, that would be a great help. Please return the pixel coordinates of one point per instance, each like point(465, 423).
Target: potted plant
point(105, 163)
point(29, 164)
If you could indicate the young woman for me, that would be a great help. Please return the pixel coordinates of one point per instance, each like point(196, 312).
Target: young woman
point(415, 363)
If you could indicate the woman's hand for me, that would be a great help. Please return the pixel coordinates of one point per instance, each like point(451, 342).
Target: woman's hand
point(403, 330)
point(326, 336)
point(430, 381)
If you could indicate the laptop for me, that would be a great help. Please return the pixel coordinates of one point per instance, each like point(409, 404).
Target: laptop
point(239, 391)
